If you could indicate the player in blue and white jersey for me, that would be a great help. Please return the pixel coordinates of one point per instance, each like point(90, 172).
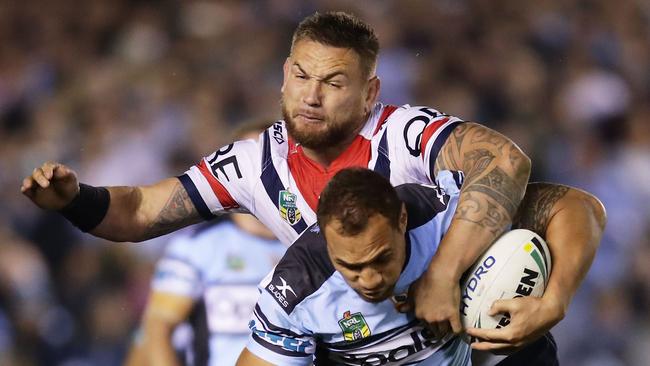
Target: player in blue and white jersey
point(332, 120)
point(332, 300)
point(204, 290)
point(212, 288)
point(333, 296)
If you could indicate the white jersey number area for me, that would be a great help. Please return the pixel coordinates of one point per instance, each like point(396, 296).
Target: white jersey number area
point(229, 307)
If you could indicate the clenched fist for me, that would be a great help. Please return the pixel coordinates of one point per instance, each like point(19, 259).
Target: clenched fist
point(51, 186)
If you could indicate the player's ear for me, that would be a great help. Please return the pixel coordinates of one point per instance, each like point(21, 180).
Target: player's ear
point(373, 93)
point(285, 72)
point(403, 219)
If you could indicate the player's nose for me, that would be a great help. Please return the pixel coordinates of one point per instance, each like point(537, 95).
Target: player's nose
point(370, 279)
point(312, 94)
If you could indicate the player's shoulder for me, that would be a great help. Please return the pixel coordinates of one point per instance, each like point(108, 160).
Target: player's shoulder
point(274, 140)
point(423, 202)
point(407, 113)
point(411, 128)
point(273, 137)
point(302, 271)
point(199, 243)
point(208, 228)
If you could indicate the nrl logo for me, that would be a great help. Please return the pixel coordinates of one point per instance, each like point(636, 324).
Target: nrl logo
point(354, 326)
point(288, 209)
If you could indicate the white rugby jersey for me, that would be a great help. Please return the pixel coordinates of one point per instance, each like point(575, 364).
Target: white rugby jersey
point(219, 266)
point(307, 312)
point(274, 180)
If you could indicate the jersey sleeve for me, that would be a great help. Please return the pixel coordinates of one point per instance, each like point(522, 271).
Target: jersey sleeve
point(278, 337)
point(178, 272)
point(224, 180)
point(415, 136)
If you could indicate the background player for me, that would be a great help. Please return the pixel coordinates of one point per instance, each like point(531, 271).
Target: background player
point(330, 109)
point(207, 280)
point(371, 243)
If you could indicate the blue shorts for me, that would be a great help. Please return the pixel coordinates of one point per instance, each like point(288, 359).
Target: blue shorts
point(542, 352)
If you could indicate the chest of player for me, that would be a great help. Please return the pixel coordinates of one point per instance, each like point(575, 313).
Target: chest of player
point(353, 331)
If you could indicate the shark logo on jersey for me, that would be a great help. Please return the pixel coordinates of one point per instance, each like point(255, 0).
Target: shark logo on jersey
point(354, 326)
point(288, 209)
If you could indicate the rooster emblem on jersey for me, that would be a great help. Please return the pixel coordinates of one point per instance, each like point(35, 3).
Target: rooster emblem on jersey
point(288, 209)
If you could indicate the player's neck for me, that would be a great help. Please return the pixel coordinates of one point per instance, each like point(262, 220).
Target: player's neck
point(325, 157)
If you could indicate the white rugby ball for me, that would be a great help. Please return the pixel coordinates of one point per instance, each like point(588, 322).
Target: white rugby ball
point(517, 264)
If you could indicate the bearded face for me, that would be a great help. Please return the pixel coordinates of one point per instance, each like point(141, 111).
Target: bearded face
point(320, 134)
point(325, 96)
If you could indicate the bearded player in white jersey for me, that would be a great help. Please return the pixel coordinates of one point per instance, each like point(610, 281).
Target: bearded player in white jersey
point(330, 109)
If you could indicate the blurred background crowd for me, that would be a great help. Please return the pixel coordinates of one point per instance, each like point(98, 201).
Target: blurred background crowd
point(129, 92)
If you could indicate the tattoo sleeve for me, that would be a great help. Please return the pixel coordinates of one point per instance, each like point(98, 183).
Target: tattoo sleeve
point(496, 174)
point(177, 212)
point(535, 211)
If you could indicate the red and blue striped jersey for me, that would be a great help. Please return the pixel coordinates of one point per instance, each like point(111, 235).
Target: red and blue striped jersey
point(273, 179)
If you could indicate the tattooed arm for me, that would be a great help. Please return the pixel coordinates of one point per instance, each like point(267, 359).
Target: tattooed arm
point(496, 174)
point(141, 213)
point(572, 222)
point(133, 214)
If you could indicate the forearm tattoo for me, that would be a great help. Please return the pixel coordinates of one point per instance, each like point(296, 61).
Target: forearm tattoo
point(491, 193)
point(536, 207)
point(178, 212)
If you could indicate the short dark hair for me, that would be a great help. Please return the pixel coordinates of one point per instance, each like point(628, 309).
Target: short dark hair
point(355, 194)
point(340, 29)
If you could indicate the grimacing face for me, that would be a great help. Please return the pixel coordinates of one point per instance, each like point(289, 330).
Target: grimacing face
point(325, 94)
point(371, 262)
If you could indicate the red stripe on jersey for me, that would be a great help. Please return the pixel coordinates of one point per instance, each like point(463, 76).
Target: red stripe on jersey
point(429, 131)
point(311, 177)
point(388, 110)
point(219, 190)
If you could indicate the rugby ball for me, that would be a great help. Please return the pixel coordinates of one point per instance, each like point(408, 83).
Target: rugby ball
point(517, 264)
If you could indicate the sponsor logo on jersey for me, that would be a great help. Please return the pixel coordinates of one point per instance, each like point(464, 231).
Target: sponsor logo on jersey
point(288, 209)
point(415, 345)
point(235, 262)
point(279, 291)
point(354, 326)
point(277, 133)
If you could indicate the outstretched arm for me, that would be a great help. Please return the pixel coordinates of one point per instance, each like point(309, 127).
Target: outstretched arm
point(572, 222)
point(496, 174)
point(125, 214)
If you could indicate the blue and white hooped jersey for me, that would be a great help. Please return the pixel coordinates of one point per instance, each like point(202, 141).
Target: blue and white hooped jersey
point(219, 266)
point(307, 312)
point(273, 179)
